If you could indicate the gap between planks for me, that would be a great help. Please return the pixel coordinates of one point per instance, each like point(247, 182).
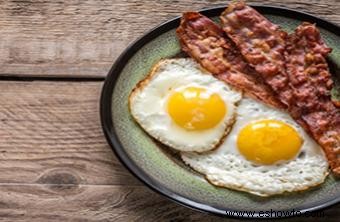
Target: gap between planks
point(9, 77)
point(50, 133)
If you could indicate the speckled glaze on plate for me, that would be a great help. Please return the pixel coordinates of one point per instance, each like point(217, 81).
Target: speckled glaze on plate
point(159, 167)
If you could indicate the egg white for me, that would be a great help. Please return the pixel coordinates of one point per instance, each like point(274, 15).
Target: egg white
point(226, 167)
point(148, 104)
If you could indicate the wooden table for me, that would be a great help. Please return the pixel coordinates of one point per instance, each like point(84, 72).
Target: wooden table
point(55, 164)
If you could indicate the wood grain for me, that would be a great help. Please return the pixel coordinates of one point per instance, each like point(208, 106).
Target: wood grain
point(103, 203)
point(55, 164)
point(83, 38)
point(50, 133)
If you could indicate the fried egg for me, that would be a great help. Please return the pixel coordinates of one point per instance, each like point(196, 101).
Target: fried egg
point(183, 106)
point(265, 153)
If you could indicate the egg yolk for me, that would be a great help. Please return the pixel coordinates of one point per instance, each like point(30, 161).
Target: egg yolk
point(194, 108)
point(268, 141)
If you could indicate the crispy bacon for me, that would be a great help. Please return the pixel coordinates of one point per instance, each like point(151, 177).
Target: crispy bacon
point(311, 82)
point(307, 69)
point(205, 41)
point(302, 84)
point(261, 43)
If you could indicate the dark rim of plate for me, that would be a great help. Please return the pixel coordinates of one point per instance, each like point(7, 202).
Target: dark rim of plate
point(106, 105)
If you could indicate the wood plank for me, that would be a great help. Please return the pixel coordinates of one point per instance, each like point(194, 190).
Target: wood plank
point(50, 133)
point(55, 164)
point(102, 203)
point(83, 38)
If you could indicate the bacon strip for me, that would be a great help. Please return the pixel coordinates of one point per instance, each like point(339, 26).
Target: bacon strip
point(311, 81)
point(307, 69)
point(261, 43)
point(205, 41)
point(304, 86)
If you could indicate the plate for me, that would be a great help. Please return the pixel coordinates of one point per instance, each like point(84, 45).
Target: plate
point(160, 168)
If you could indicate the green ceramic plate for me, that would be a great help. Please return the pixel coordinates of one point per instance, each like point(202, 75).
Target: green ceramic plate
point(160, 169)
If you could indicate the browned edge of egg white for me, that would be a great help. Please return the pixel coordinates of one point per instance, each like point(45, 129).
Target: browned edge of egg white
point(314, 119)
point(143, 83)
